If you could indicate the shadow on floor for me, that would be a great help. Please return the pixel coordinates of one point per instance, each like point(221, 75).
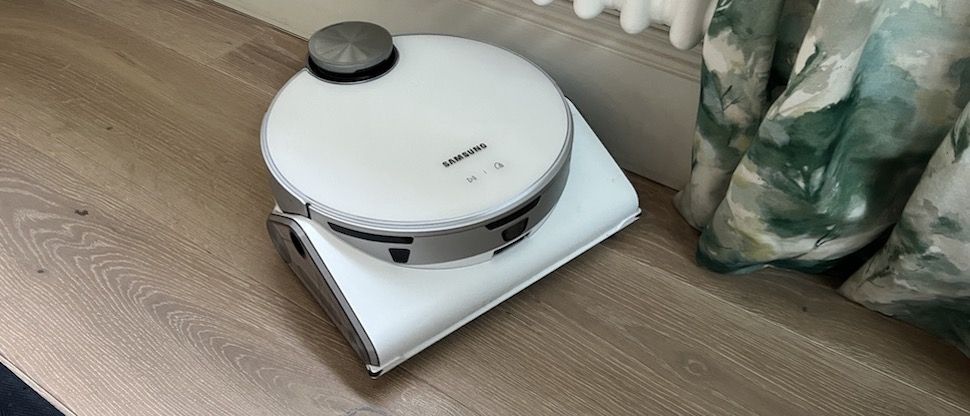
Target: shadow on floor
point(16, 399)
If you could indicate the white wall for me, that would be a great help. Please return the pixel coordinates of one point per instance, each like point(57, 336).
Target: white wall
point(638, 93)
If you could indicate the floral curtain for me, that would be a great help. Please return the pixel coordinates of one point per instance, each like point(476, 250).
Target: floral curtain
point(816, 127)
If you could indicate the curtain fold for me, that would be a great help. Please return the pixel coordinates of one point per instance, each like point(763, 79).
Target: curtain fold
point(816, 123)
point(922, 274)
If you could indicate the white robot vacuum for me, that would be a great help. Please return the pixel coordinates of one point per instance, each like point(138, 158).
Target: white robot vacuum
point(422, 179)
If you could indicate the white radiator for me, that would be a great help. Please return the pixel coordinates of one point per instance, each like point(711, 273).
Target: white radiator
point(687, 19)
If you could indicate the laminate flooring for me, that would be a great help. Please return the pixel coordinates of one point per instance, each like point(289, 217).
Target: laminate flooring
point(137, 277)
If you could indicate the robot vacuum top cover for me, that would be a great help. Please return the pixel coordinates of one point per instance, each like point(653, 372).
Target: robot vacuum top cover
point(452, 132)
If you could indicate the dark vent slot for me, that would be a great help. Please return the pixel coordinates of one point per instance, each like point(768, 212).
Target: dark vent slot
point(400, 255)
point(297, 244)
point(515, 230)
point(511, 217)
point(372, 237)
point(499, 251)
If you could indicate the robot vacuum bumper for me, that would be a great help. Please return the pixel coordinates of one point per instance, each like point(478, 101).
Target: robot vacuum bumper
point(389, 313)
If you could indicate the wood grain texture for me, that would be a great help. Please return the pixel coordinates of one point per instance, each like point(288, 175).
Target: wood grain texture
point(131, 319)
point(147, 122)
point(804, 304)
point(138, 278)
point(197, 29)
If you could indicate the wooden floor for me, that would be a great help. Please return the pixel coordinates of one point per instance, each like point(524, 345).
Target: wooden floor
point(136, 276)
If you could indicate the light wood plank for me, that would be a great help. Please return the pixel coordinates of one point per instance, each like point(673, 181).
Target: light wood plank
point(200, 30)
point(266, 62)
point(606, 322)
point(210, 33)
point(804, 304)
point(104, 306)
point(147, 123)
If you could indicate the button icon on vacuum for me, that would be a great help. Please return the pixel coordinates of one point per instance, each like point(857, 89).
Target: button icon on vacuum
point(498, 165)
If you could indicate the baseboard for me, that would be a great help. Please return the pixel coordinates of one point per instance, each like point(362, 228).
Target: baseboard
point(638, 92)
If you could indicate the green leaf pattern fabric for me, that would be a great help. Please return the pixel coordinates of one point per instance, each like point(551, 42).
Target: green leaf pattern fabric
point(816, 122)
point(922, 274)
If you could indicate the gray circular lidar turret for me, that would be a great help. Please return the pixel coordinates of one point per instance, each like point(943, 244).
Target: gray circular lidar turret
point(348, 47)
